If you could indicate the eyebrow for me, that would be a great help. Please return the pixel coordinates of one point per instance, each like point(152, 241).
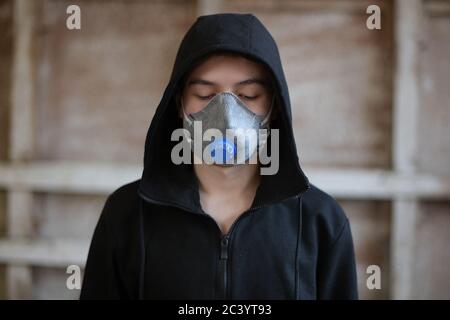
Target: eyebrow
point(259, 81)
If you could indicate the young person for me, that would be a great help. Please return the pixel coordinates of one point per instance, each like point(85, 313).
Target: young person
point(218, 230)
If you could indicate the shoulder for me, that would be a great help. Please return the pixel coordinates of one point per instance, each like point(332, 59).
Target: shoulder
point(122, 204)
point(124, 193)
point(324, 212)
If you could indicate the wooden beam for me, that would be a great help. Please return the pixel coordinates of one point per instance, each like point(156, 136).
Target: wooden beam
point(406, 94)
point(18, 205)
point(22, 91)
point(435, 8)
point(347, 6)
point(73, 177)
point(205, 7)
point(408, 22)
point(402, 246)
point(103, 178)
point(18, 278)
point(45, 253)
point(379, 184)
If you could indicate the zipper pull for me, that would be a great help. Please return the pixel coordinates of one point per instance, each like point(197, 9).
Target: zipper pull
point(224, 248)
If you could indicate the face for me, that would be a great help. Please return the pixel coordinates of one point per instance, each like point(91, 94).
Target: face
point(247, 79)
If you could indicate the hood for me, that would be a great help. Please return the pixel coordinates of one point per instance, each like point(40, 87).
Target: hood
point(166, 183)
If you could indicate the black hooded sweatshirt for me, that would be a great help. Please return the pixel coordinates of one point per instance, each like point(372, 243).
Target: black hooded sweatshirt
point(154, 241)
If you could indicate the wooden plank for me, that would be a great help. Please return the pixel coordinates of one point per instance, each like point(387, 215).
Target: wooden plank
point(53, 176)
point(19, 278)
point(75, 122)
point(408, 24)
point(6, 26)
point(432, 256)
point(304, 5)
point(22, 91)
point(333, 54)
point(434, 113)
point(406, 95)
point(19, 281)
point(371, 228)
point(379, 184)
point(101, 178)
point(437, 7)
point(44, 253)
point(403, 226)
point(18, 208)
point(205, 7)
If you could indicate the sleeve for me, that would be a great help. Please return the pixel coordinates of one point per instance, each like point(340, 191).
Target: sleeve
point(337, 268)
point(101, 279)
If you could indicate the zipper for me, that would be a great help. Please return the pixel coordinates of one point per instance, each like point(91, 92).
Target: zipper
point(224, 265)
point(225, 239)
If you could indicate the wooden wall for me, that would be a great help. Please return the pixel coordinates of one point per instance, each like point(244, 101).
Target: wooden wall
point(370, 112)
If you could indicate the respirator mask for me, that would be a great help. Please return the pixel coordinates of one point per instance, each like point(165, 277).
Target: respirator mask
point(237, 131)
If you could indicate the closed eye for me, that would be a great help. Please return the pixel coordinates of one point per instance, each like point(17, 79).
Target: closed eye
point(248, 97)
point(205, 97)
point(242, 96)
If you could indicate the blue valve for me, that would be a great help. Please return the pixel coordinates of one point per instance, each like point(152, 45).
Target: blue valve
point(224, 148)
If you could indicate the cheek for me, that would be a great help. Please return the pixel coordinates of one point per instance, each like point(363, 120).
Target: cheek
point(192, 105)
point(260, 106)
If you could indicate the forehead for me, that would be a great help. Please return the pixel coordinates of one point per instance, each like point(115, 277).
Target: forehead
point(229, 67)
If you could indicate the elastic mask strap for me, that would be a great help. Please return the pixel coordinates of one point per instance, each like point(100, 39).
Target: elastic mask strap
point(185, 115)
